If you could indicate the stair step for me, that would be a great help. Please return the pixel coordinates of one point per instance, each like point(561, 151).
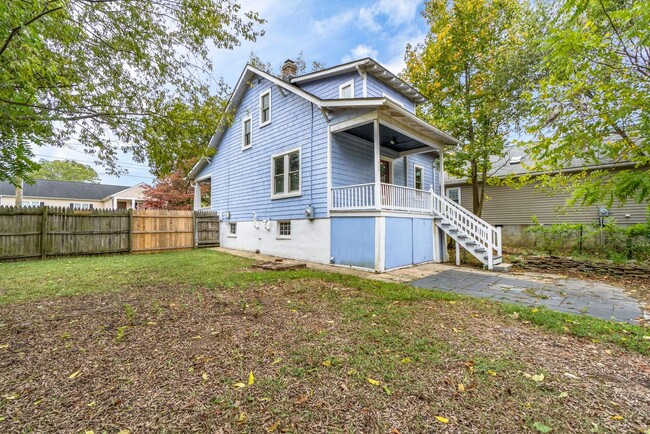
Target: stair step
point(479, 249)
point(445, 223)
point(470, 243)
point(453, 229)
point(461, 236)
point(496, 260)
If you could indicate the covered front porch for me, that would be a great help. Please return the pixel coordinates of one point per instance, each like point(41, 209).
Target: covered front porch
point(383, 161)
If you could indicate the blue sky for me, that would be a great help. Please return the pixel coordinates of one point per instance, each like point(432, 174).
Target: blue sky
point(327, 31)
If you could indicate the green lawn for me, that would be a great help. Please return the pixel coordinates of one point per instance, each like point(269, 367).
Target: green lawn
point(168, 342)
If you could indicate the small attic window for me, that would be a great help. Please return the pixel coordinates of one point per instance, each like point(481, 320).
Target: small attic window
point(346, 90)
point(515, 160)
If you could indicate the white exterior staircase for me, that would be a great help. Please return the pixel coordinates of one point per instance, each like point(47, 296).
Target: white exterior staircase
point(470, 232)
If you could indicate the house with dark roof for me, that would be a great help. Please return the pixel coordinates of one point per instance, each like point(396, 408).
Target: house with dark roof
point(77, 195)
point(335, 167)
point(513, 209)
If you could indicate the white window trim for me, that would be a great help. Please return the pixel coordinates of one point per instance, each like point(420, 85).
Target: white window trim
point(230, 234)
point(284, 237)
point(415, 167)
point(454, 188)
point(346, 84)
point(391, 166)
point(393, 100)
point(286, 178)
point(243, 132)
point(266, 92)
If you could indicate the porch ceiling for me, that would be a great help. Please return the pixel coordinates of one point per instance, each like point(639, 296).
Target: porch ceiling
point(388, 138)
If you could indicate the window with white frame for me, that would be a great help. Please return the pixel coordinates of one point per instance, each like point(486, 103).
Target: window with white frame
point(286, 174)
point(418, 177)
point(284, 229)
point(247, 133)
point(232, 229)
point(265, 108)
point(82, 206)
point(453, 193)
point(33, 203)
point(346, 90)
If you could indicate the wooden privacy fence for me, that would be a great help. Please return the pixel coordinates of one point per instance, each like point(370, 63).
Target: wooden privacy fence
point(31, 232)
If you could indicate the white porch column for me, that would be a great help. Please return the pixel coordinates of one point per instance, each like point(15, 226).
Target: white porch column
point(377, 163)
point(197, 196)
point(132, 203)
point(114, 202)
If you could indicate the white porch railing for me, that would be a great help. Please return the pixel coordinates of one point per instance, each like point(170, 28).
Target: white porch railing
point(393, 197)
point(476, 228)
point(396, 197)
point(353, 197)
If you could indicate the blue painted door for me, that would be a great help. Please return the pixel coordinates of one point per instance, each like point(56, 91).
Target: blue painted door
point(353, 241)
point(422, 240)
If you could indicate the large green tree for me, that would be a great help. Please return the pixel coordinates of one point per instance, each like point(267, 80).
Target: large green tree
point(475, 69)
point(65, 170)
point(594, 103)
point(119, 75)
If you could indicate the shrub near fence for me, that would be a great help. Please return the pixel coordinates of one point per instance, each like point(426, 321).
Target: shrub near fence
point(32, 232)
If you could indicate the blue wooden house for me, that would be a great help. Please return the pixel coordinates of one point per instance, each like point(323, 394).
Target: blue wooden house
point(334, 167)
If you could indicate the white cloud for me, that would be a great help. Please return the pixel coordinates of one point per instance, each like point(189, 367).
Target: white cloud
point(395, 12)
point(359, 52)
point(330, 25)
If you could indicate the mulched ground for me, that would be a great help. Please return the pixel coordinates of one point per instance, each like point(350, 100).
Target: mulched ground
point(166, 359)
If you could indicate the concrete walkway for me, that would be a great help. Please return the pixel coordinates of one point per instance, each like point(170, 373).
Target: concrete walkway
point(562, 294)
point(582, 297)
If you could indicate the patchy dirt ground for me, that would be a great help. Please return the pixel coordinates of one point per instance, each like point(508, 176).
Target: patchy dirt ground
point(169, 359)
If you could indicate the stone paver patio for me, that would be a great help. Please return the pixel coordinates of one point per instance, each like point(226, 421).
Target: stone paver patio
point(564, 295)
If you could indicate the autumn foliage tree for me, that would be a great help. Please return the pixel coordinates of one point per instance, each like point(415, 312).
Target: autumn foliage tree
point(475, 68)
point(174, 192)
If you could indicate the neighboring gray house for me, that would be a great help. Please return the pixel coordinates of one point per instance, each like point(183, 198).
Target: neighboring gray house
point(77, 195)
point(513, 209)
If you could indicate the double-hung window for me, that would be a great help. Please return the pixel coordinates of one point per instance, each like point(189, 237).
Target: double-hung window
point(286, 174)
point(247, 133)
point(265, 108)
point(418, 177)
point(284, 230)
point(453, 193)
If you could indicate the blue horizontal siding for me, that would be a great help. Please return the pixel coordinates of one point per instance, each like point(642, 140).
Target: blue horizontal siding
point(377, 88)
point(328, 88)
point(241, 179)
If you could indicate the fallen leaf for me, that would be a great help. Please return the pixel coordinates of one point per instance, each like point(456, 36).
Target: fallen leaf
point(242, 418)
point(3, 346)
point(373, 382)
point(124, 431)
point(442, 419)
point(251, 378)
point(406, 360)
point(301, 399)
point(91, 404)
point(540, 427)
point(151, 323)
point(327, 363)
point(461, 387)
point(10, 396)
point(273, 427)
point(387, 390)
point(197, 337)
point(616, 417)
point(204, 376)
point(563, 395)
point(75, 374)
point(276, 361)
point(538, 378)
point(492, 373)
point(239, 385)
point(352, 372)
point(534, 310)
point(89, 432)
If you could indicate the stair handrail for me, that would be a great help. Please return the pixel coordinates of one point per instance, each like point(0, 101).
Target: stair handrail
point(484, 233)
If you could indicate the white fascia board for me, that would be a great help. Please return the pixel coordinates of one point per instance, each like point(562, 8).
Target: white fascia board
point(330, 72)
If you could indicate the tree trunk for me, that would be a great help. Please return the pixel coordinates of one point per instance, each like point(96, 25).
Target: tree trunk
point(19, 193)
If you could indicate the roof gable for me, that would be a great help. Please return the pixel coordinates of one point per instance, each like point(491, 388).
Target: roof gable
point(368, 66)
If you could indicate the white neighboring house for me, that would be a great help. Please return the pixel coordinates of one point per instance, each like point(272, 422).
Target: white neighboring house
point(76, 195)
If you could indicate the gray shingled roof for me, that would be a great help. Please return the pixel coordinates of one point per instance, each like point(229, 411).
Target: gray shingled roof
point(516, 161)
point(63, 190)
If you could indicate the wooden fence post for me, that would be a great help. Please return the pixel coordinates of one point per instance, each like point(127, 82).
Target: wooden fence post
point(130, 230)
point(44, 233)
point(194, 229)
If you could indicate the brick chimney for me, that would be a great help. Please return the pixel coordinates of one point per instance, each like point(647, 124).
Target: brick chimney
point(289, 70)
